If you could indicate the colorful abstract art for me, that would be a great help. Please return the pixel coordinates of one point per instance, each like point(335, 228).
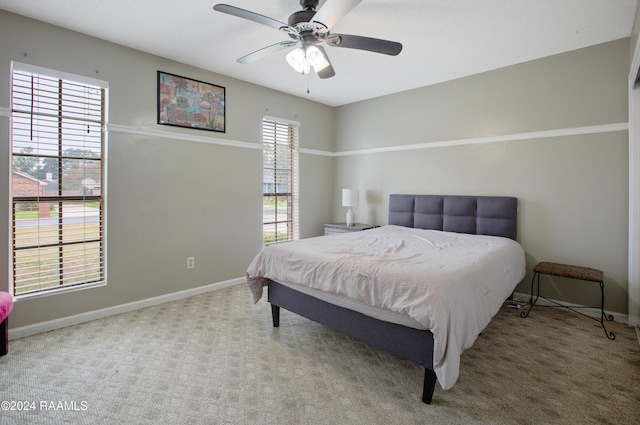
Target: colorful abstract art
point(184, 102)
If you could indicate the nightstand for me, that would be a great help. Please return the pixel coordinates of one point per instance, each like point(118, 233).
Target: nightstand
point(332, 228)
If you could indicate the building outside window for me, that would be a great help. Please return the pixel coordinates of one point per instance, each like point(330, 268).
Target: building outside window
point(58, 193)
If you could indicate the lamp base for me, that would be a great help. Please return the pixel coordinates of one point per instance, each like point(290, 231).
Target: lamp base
point(351, 221)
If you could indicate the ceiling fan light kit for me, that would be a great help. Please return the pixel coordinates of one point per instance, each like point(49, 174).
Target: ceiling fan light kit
point(302, 60)
point(309, 28)
point(297, 60)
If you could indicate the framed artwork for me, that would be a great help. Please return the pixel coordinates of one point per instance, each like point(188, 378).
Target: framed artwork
point(184, 102)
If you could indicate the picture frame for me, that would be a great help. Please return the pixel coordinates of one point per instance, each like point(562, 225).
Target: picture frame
point(185, 102)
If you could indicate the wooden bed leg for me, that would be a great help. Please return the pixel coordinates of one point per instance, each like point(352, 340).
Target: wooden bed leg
point(275, 314)
point(4, 337)
point(429, 385)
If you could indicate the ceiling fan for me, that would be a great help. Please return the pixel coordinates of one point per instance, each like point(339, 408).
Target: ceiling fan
point(308, 28)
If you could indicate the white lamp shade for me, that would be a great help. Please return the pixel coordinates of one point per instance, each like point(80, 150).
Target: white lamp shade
point(297, 60)
point(349, 197)
point(316, 59)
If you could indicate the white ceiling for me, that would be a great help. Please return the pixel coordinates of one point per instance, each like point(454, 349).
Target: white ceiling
point(442, 39)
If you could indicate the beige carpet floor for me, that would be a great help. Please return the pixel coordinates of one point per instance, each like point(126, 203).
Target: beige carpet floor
point(216, 359)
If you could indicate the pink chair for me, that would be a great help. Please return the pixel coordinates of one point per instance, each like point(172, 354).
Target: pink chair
point(6, 305)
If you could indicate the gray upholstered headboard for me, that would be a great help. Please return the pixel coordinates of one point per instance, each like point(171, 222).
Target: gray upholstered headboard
point(481, 215)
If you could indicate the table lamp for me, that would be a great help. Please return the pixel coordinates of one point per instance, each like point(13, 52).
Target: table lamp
point(350, 199)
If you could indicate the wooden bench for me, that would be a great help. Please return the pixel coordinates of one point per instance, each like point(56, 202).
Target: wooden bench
point(573, 272)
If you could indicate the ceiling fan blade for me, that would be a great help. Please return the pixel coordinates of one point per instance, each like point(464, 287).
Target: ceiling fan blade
point(333, 10)
point(365, 43)
point(327, 71)
point(266, 51)
point(252, 16)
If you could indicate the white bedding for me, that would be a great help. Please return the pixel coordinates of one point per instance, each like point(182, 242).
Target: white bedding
point(450, 283)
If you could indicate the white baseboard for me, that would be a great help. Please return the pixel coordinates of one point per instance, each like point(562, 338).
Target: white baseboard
point(523, 298)
point(63, 322)
point(24, 331)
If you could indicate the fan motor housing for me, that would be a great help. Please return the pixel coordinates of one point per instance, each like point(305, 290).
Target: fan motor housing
point(309, 4)
point(305, 15)
point(301, 16)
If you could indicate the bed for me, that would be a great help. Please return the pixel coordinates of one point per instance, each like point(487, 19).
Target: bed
point(422, 287)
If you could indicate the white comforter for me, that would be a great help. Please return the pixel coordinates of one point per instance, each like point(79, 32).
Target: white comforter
point(451, 283)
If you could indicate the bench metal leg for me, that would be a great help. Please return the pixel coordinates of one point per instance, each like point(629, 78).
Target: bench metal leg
point(531, 300)
point(603, 316)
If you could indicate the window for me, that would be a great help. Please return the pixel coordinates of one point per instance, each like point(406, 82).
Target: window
point(58, 146)
point(280, 180)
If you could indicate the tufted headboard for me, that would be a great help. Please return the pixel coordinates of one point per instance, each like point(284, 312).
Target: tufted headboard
point(481, 215)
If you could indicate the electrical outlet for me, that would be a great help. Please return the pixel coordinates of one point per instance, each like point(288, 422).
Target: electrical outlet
point(191, 262)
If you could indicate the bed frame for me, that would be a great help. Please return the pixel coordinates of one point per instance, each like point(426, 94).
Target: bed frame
point(482, 215)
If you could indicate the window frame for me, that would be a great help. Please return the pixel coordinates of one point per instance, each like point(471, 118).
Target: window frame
point(81, 248)
point(273, 134)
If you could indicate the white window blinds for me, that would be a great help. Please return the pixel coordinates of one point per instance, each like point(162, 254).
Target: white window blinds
point(58, 147)
point(280, 180)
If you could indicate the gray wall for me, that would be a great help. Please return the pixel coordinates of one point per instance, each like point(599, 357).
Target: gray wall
point(168, 198)
point(573, 190)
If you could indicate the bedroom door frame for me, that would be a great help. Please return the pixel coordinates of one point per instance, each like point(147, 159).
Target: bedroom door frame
point(634, 188)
